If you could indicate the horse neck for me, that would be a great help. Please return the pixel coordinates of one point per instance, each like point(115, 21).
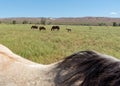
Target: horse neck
point(61, 74)
point(32, 74)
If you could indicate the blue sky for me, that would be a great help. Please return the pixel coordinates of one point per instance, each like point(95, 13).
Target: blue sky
point(59, 8)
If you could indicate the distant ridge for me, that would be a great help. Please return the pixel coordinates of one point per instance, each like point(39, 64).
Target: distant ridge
point(65, 20)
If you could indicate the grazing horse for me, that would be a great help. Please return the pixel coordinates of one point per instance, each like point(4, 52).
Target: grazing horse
point(55, 28)
point(84, 68)
point(42, 28)
point(69, 29)
point(34, 27)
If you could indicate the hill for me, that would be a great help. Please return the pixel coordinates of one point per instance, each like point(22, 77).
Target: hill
point(64, 20)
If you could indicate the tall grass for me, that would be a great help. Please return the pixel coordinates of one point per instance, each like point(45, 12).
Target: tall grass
point(50, 46)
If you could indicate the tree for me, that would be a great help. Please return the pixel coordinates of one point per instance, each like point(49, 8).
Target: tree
point(119, 24)
point(49, 23)
point(114, 24)
point(43, 21)
point(14, 22)
point(101, 24)
point(25, 22)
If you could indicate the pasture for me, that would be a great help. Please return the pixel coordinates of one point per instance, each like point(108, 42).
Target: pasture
point(50, 46)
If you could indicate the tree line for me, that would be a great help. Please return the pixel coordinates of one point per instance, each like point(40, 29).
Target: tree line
point(44, 21)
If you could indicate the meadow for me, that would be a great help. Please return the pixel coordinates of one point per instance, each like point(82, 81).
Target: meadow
point(46, 47)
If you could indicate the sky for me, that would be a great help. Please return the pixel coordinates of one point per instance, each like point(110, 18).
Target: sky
point(59, 8)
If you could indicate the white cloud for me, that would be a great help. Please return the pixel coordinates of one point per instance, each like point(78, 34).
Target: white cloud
point(113, 13)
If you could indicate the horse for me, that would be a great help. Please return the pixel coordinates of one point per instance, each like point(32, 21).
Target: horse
point(69, 29)
point(82, 68)
point(34, 27)
point(55, 28)
point(42, 28)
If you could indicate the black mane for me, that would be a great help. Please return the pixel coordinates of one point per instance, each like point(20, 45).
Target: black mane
point(88, 68)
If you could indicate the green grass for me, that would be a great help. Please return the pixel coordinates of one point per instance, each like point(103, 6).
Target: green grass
point(47, 47)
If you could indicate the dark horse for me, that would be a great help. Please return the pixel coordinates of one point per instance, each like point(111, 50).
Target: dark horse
point(42, 28)
point(55, 28)
point(34, 27)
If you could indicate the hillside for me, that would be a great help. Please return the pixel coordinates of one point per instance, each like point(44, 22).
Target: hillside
point(64, 20)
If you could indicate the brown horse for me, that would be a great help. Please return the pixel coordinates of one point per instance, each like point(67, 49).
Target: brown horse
point(34, 27)
point(55, 28)
point(42, 28)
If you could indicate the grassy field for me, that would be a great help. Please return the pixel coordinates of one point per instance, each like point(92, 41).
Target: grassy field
point(50, 46)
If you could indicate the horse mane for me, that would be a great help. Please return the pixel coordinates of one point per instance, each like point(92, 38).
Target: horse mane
point(89, 68)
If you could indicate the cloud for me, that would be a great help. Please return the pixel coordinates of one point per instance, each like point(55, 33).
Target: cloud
point(113, 13)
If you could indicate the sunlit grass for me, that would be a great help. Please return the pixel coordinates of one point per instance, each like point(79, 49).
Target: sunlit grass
point(47, 46)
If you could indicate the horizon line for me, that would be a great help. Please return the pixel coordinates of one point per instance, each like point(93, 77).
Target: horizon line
point(63, 17)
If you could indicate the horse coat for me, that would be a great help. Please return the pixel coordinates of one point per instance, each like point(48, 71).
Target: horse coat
point(34, 27)
point(84, 68)
point(55, 28)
